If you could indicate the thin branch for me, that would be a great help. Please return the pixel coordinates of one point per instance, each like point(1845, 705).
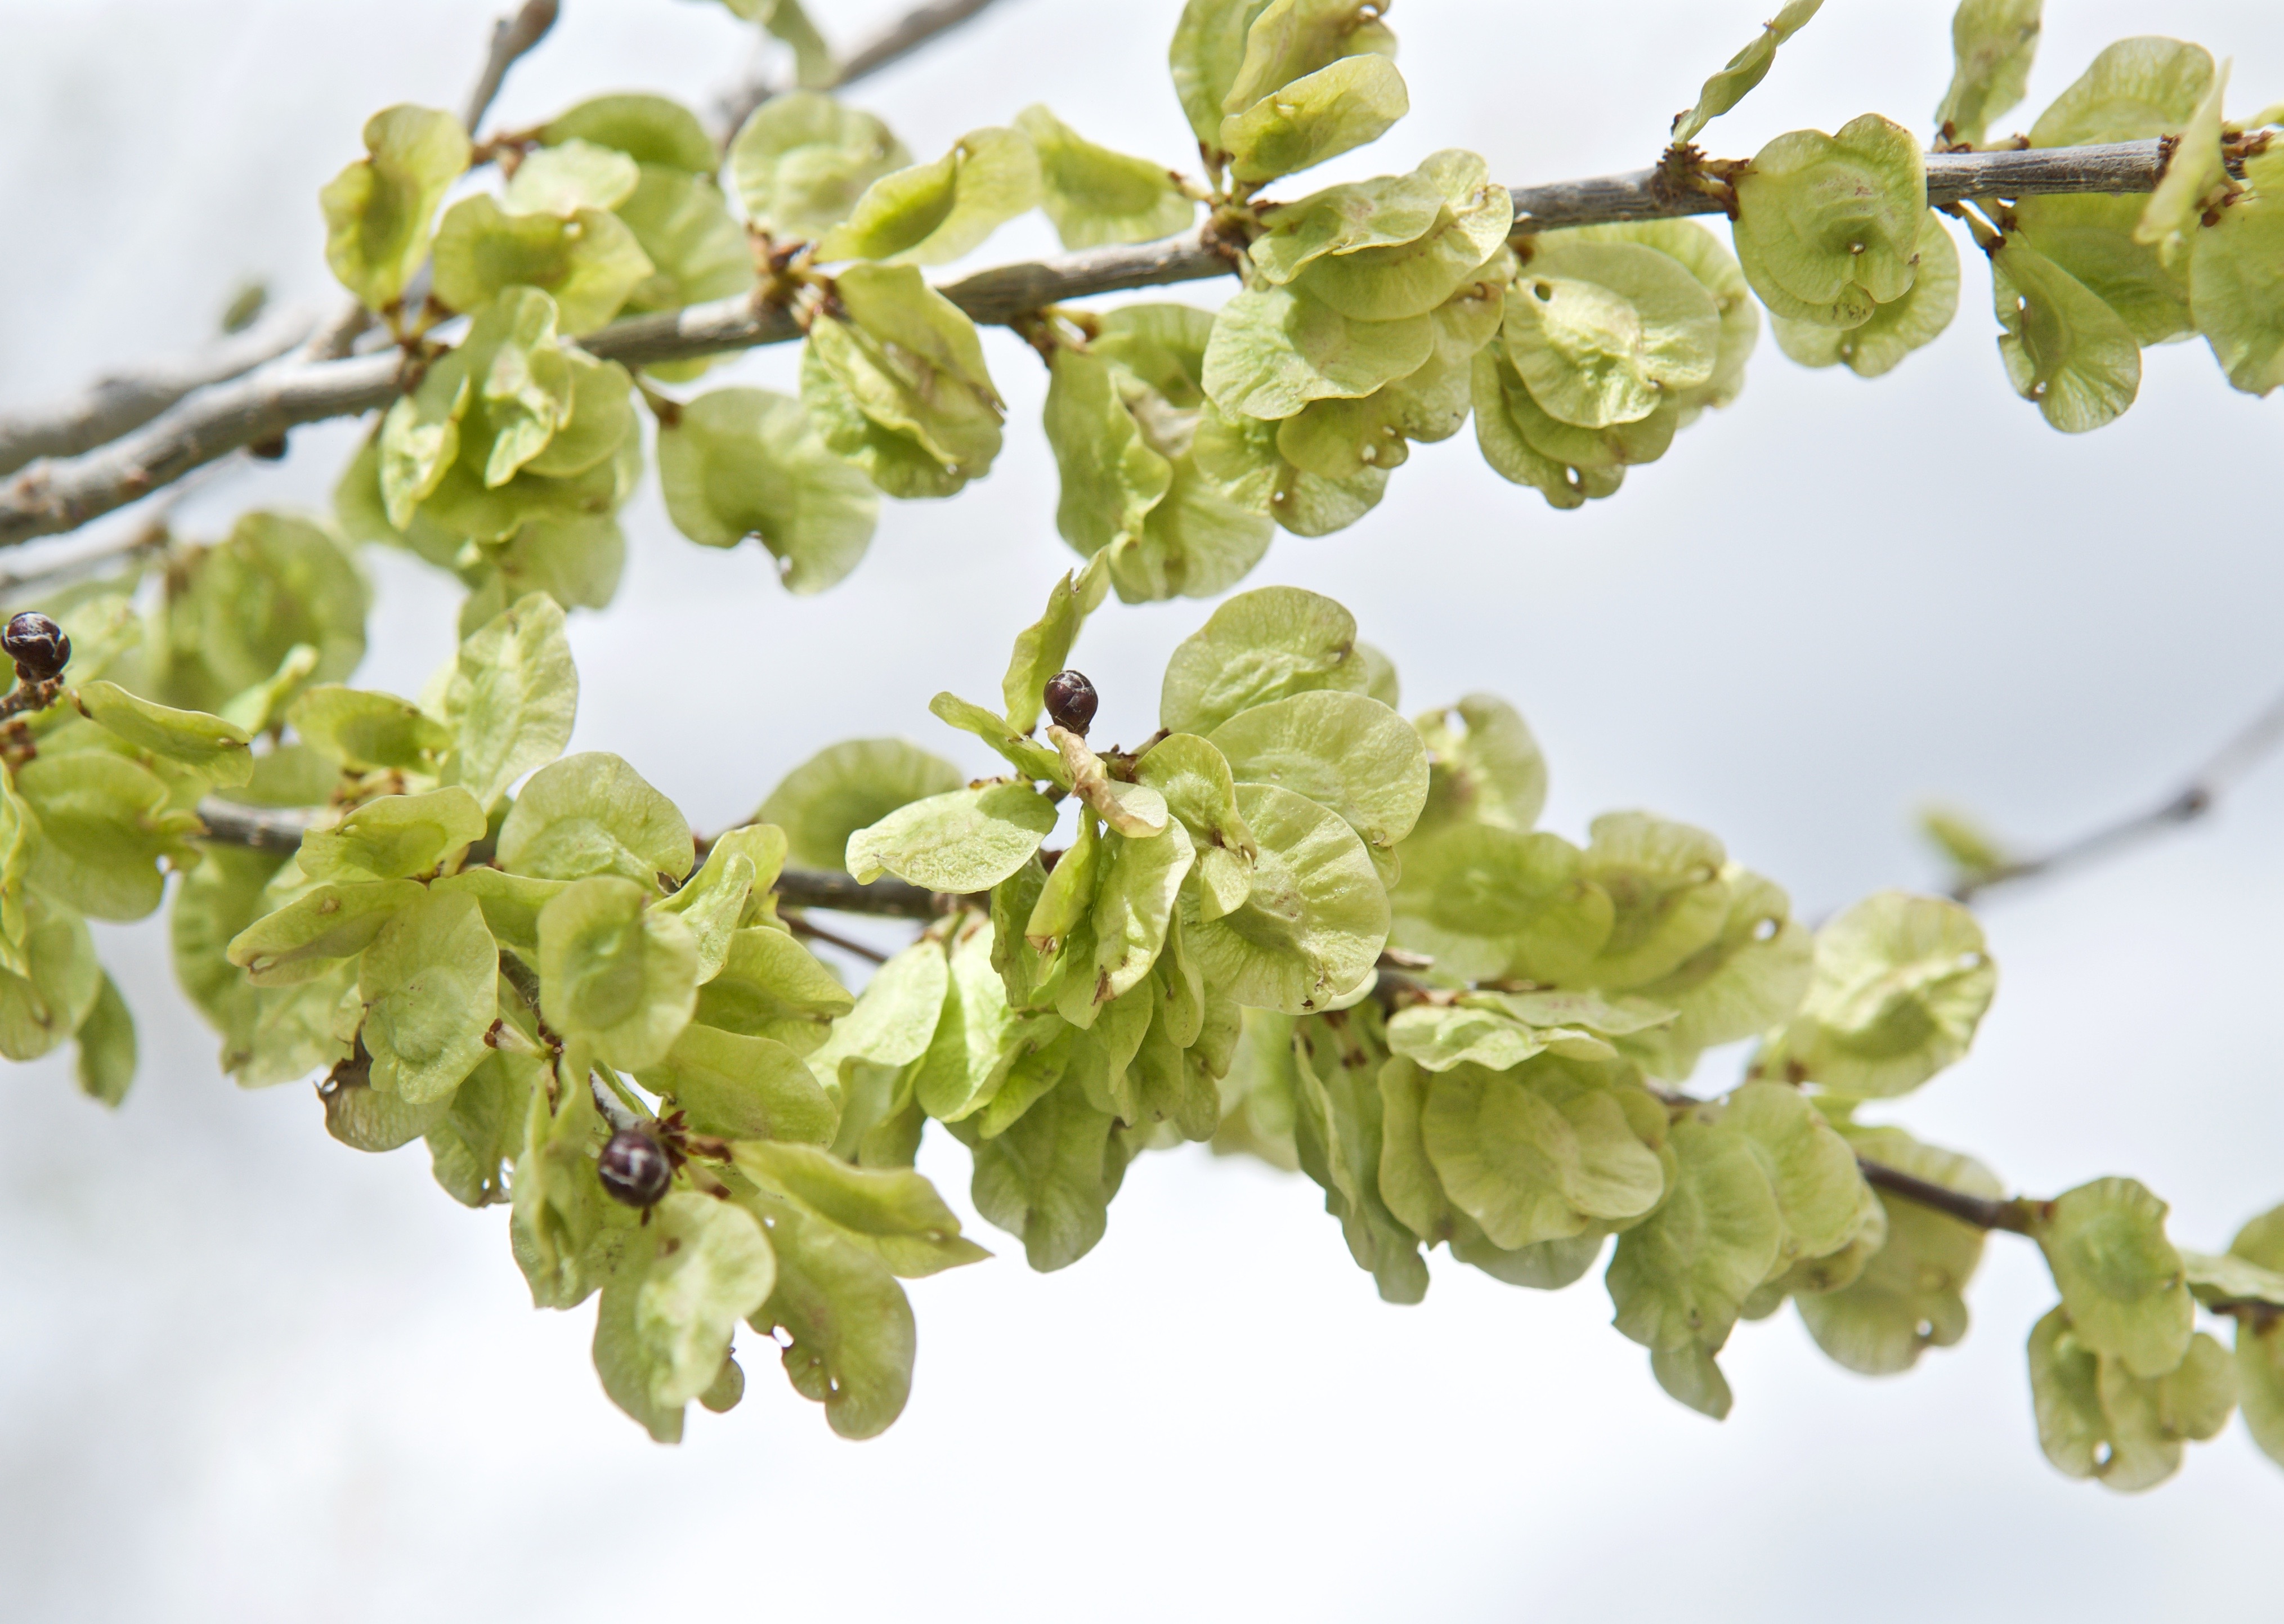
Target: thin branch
point(27, 696)
point(51, 497)
point(799, 926)
point(907, 34)
point(892, 44)
point(1981, 1211)
point(123, 402)
point(280, 828)
point(2221, 772)
point(519, 975)
point(1651, 194)
point(839, 894)
point(512, 38)
point(609, 1101)
point(2020, 1215)
point(339, 335)
point(128, 544)
point(149, 534)
point(255, 829)
point(58, 496)
point(525, 982)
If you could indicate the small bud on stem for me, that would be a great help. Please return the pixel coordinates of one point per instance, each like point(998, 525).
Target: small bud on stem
point(1071, 700)
point(39, 647)
point(635, 1167)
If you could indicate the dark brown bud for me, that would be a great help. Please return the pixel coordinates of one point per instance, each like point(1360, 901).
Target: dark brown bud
point(37, 645)
point(1070, 701)
point(636, 1168)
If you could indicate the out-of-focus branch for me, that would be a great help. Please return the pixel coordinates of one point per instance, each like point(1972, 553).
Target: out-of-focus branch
point(892, 44)
point(62, 495)
point(512, 38)
point(27, 696)
point(280, 828)
point(149, 533)
point(802, 927)
point(123, 402)
point(255, 829)
point(2226, 768)
point(51, 497)
point(840, 893)
point(148, 536)
point(907, 34)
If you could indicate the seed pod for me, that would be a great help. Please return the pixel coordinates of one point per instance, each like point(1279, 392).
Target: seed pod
point(636, 1168)
point(37, 645)
point(1070, 701)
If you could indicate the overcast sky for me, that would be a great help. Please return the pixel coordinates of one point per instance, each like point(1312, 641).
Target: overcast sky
point(248, 1374)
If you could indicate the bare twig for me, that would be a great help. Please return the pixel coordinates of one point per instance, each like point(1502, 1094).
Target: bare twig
point(1983, 1211)
point(512, 38)
point(907, 34)
point(51, 497)
point(122, 401)
point(135, 539)
point(838, 893)
point(150, 532)
point(2221, 772)
point(892, 44)
point(335, 339)
point(259, 828)
point(519, 976)
point(59, 496)
point(2019, 1215)
point(280, 828)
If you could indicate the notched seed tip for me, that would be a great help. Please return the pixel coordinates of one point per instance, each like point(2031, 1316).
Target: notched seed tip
point(635, 1169)
point(1071, 701)
point(37, 645)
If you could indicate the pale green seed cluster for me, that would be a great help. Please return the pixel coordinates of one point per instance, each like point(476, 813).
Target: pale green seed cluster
point(1290, 923)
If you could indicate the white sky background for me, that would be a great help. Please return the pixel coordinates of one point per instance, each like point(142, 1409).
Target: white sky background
point(247, 1373)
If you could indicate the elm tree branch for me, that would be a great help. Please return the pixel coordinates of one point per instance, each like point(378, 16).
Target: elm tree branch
point(269, 829)
point(1651, 194)
point(2022, 1216)
point(2221, 772)
point(146, 533)
point(801, 926)
point(907, 34)
point(130, 542)
point(1983, 1212)
point(61, 496)
point(512, 37)
point(264, 828)
point(122, 401)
